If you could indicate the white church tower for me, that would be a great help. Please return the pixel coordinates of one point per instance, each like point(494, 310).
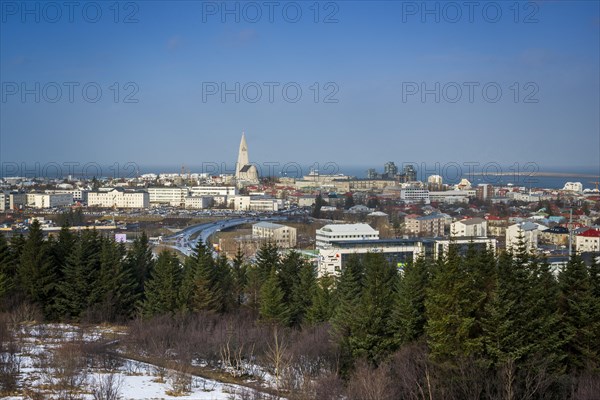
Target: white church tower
point(245, 173)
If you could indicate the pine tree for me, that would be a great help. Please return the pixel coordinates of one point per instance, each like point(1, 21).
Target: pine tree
point(223, 285)
point(273, 310)
point(321, 307)
point(240, 278)
point(408, 315)
point(114, 295)
point(162, 288)
point(36, 275)
point(347, 298)
point(140, 261)
point(372, 334)
point(7, 270)
point(267, 259)
point(303, 292)
point(79, 276)
point(577, 308)
point(451, 307)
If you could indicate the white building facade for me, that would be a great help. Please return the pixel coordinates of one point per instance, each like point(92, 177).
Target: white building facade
point(336, 232)
point(119, 198)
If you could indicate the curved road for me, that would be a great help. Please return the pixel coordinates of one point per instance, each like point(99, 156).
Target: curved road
point(183, 242)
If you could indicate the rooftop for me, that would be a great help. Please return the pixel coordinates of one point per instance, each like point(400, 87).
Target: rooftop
point(344, 228)
point(268, 225)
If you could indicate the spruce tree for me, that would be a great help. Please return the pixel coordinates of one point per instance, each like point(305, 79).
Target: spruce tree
point(408, 315)
point(372, 333)
point(162, 288)
point(7, 270)
point(322, 303)
point(347, 301)
point(240, 277)
point(114, 295)
point(223, 285)
point(36, 275)
point(273, 310)
point(267, 259)
point(140, 261)
point(302, 293)
point(452, 305)
point(79, 274)
point(577, 308)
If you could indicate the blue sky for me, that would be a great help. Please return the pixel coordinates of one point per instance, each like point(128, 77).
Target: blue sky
point(368, 61)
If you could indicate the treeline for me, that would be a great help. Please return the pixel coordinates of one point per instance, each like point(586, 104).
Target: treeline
point(474, 325)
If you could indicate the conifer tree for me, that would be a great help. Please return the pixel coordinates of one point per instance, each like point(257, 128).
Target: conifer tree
point(322, 305)
point(576, 306)
point(223, 285)
point(451, 307)
point(303, 292)
point(162, 288)
point(372, 333)
point(140, 261)
point(240, 278)
point(79, 274)
point(408, 315)
point(114, 295)
point(267, 259)
point(37, 275)
point(273, 310)
point(7, 267)
point(200, 259)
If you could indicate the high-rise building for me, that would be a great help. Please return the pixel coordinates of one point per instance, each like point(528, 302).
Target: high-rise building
point(390, 169)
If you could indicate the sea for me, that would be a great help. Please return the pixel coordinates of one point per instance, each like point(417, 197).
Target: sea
point(527, 175)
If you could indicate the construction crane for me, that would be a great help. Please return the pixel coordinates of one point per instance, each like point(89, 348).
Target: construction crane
point(595, 183)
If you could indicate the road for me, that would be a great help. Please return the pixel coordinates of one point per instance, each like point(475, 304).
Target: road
point(183, 242)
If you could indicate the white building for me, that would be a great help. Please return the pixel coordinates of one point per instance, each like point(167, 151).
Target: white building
point(414, 195)
point(573, 187)
point(3, 201)
point(588, 241)
point(338, 232)
point(332, 259)
point(50, 200)
point(198, 202)
point(281, 235)
point(213, 191)
point(526, 231)
point(174, 196)
point(251, 203)
point(119, 198)
point(449, 196)
point(78, 194)
point(471, 227)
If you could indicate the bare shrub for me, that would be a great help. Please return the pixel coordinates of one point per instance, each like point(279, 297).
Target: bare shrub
point(10, 362)
point(107, 387)
point(328, 387)
point(180, 380)
point(367, 383)
point(587, 386)
point(68, 369)
point(412, 373)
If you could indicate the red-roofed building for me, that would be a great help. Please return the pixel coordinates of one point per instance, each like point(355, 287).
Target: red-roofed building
point(588, 241)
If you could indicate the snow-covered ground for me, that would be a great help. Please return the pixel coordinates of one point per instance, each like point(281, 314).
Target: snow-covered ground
point(133, 379)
